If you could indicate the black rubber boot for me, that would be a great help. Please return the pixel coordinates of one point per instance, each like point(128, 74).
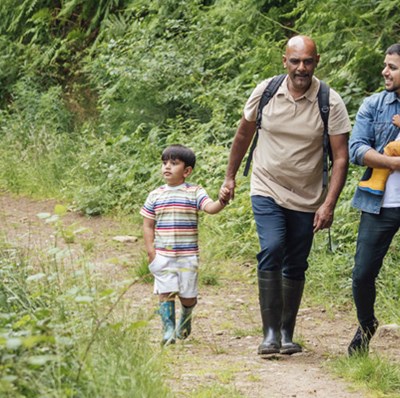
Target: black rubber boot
point(292, 291)
point(270, 296)
point(360, 343)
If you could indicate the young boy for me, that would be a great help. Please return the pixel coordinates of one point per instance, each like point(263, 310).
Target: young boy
point(171, 238)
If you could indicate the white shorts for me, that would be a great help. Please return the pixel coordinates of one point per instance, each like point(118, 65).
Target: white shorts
point(175, 275)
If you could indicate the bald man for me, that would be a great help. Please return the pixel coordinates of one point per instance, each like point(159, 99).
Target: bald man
point(289, 200)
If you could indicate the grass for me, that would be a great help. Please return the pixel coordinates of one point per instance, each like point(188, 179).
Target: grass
point(63, 334)
point(373, 373)
point(209, 275)
point(217, 391)
point(124, 364)
point(141, 269)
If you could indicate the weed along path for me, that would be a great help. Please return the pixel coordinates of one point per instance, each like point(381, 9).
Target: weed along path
point(220, 355)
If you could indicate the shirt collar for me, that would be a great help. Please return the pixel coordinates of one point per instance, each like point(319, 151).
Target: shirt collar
point(391, 97)
point(311, 94)
point(176, 187)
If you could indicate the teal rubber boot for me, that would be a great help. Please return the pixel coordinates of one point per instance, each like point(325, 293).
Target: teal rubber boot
point(167, 312)
point(185, 322)
point(292, 291)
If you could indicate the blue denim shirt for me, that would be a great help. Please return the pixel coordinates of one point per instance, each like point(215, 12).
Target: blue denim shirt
point(373, 128)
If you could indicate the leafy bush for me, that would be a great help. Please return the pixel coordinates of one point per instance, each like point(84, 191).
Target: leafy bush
point(60, 338)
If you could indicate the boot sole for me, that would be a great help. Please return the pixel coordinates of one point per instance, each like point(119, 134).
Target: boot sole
point(290, 348)
point(290, 351)
point(268, 351)
point(167, 342)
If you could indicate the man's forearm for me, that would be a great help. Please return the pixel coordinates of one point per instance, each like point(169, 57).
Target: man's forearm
point(375, 159)
point(241, 143)
point(337, 181)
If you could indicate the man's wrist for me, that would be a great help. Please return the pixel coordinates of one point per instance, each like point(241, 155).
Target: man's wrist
point(230, 176)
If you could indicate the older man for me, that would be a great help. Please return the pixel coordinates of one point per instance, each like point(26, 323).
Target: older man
point(290, 202)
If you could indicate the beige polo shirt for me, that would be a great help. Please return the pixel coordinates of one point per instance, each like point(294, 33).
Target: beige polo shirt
point(288, 160)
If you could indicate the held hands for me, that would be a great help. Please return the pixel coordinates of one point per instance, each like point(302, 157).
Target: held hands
point(224, 196)
point(227, 191)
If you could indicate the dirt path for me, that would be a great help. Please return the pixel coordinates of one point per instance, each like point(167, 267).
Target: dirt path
point(222, 348)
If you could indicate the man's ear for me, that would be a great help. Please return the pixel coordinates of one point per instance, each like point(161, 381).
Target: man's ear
point(188, 170)
point(284, 60)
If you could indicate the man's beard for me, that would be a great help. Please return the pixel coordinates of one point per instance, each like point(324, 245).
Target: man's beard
point(393, 88)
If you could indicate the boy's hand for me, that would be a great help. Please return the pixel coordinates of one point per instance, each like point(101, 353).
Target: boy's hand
point(151, 255)
point(224, 195)
point(229, 184)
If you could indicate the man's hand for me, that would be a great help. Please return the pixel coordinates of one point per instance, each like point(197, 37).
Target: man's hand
point(224, 195)
point(323, 218)
point(227, 191)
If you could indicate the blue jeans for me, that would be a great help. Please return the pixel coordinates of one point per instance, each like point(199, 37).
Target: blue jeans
point(285, 238)
point(375, 234)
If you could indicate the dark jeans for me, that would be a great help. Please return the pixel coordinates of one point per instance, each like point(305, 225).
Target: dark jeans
point(285, 238)
point(375, 234)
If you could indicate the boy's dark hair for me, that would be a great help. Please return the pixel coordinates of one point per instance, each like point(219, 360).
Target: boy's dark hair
point(394, 49)
point(179, 152)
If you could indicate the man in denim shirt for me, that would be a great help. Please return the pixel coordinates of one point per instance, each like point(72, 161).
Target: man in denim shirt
point(380, 217)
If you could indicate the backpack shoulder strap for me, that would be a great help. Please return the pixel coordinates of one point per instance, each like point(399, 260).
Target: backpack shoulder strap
point(269, 92)
point(323, 102)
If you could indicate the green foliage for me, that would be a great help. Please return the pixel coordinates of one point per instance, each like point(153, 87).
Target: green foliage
point(104, 86)
point(141, 270)
point(378, 374)
point(97, 89)
point(93, 91)
point(181, 59)
point(90, 94)
point(352, 37)
point(49, 345)
point(51, 34)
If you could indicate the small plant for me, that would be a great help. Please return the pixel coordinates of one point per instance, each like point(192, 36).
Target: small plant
point(88, 245)
point(141, 269)
point(209, 276)
point(67, 233)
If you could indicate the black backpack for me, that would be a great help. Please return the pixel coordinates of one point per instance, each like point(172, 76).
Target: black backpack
point(323, 102)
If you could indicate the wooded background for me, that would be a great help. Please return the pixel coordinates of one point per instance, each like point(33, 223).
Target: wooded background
point(92, 91)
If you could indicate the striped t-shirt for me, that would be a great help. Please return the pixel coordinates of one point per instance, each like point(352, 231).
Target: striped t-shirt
point(175, 211)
